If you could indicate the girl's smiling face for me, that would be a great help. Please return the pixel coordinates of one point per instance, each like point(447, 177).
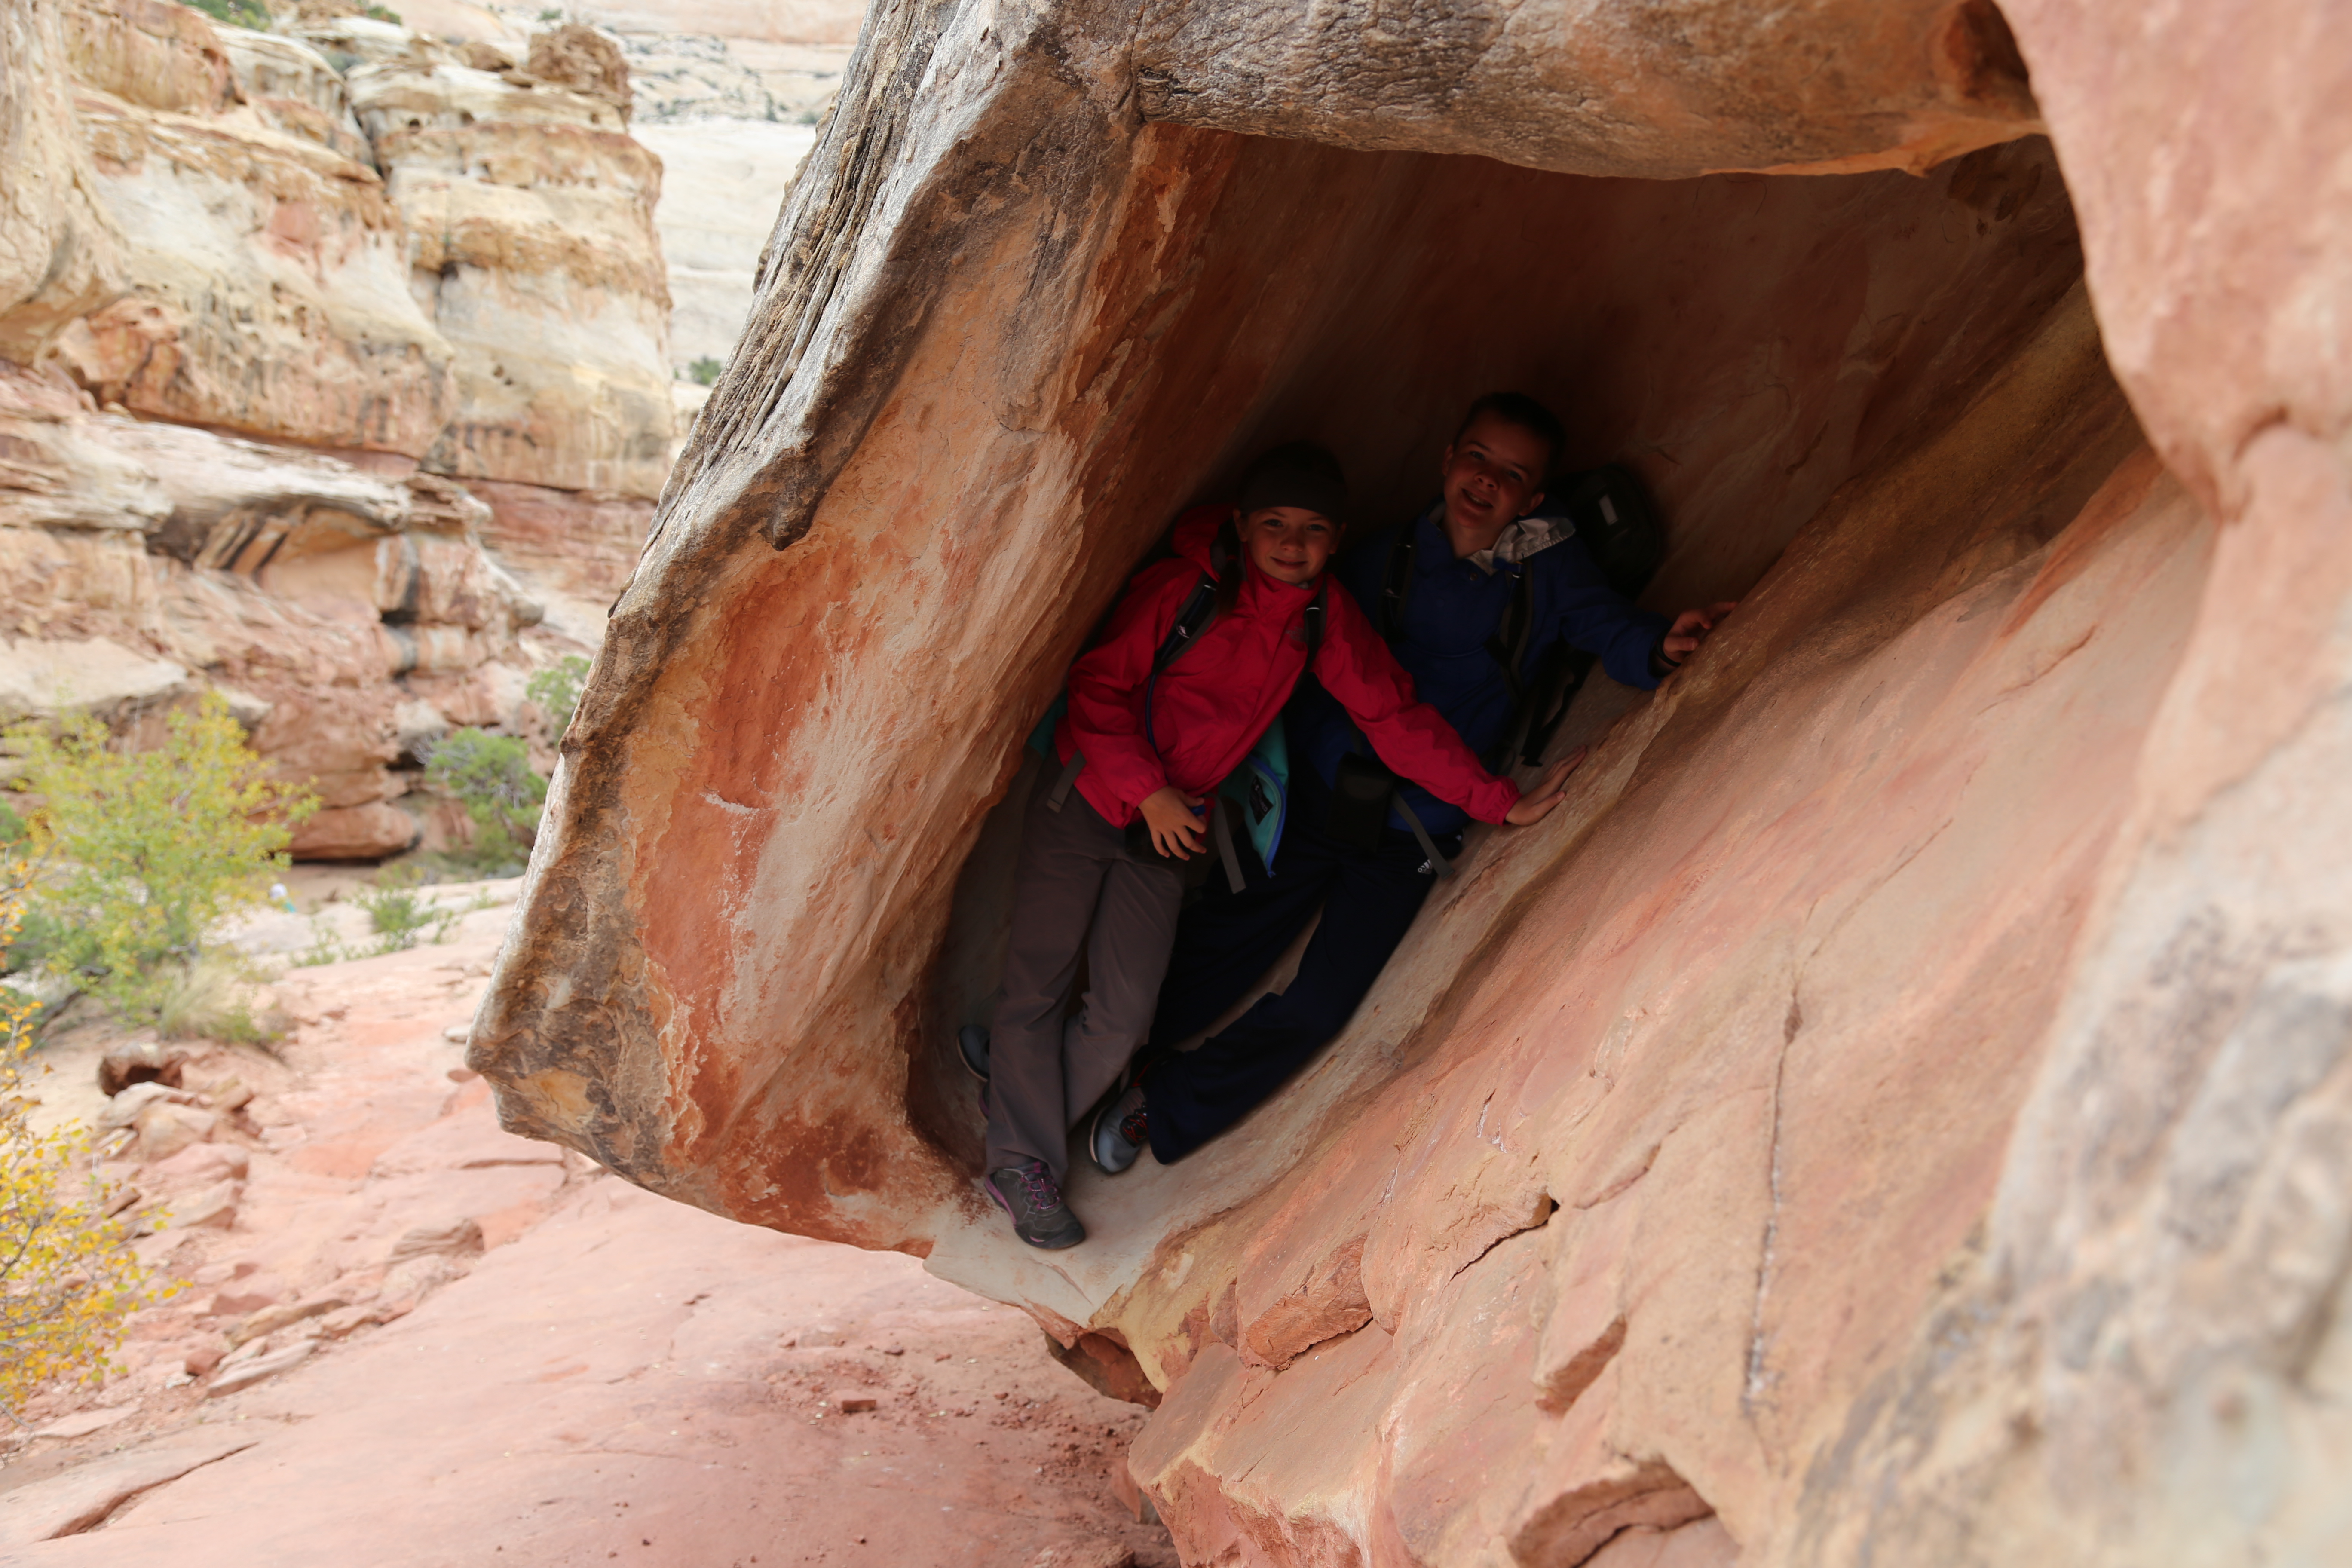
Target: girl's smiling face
point(1289, 544)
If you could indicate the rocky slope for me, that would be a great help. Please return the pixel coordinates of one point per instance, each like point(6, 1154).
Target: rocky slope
point(1896, 1110)
point(359, 1247)
point(312, 345)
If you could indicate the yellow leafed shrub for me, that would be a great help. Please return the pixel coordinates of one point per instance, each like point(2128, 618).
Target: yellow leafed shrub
point(142, 853)
point(68, 1276)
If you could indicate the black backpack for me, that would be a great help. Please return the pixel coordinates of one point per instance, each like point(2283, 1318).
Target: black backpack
point(1619, 530)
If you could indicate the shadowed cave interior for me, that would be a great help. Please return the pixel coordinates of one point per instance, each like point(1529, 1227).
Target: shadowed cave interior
point(1748, 344)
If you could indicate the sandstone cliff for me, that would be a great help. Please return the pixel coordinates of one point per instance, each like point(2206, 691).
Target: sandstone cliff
point(1896, 1111)
point(310, 342)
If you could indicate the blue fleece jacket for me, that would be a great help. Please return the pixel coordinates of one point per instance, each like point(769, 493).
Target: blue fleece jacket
point(1452, 609)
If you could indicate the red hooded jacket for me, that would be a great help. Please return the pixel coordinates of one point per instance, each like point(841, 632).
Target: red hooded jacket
point(1208, 708)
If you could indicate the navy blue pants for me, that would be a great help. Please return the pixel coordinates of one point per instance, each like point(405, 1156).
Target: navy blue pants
point(1226, 943)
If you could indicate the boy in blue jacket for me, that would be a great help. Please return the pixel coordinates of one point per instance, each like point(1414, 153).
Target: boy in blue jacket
point(1467, 552)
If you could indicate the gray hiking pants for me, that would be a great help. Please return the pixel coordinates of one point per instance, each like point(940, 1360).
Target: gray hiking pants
point(1076, 889)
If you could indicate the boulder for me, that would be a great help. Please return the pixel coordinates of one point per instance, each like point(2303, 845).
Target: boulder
point(213, 1208)
point(284, 1315)
point(583, 59)
point(206, 1163)
point(458, 1238)
point(1894, 1109)
point(233, 1376)
point(164, 1129)
point(139, 1061)
point(376, 831)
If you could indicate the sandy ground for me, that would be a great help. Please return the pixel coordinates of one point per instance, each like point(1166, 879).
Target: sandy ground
point(474, 1348)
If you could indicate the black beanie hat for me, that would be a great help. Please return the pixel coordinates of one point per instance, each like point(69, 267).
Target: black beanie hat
point(1299, 474)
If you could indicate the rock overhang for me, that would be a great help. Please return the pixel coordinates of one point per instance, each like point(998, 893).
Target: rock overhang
point(1007, 329)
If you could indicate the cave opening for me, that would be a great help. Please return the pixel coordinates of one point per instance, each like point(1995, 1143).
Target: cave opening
point(1747, 343)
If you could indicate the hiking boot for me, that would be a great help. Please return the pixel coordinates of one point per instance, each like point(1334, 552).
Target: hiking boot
point(972, 1047)
point(1121, 1130)
point(1040, 1218)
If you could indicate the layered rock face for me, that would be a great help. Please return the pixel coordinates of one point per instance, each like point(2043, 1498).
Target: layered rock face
point(1894, 1110)
point(269, 298)
point(531, 210)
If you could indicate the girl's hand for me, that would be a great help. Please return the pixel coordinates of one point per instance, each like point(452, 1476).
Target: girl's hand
point(1175, 831)
point(1538, 803)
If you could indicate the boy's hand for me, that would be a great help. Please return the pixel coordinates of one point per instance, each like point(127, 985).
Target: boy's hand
point(1690, 629)
point(1538, 803)
point(1175, 830)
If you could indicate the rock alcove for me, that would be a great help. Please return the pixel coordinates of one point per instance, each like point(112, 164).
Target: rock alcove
point(1634, 1211)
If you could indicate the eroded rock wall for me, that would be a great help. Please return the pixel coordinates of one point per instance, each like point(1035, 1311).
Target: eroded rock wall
point(267, 298)
point(1849, 1129)
point(528, 212)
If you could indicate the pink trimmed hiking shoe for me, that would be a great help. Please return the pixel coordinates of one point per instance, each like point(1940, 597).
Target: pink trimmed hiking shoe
point(1029, 1193)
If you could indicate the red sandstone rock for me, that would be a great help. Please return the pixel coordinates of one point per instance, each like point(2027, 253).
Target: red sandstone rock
point(1905, 995)
point(370, 832)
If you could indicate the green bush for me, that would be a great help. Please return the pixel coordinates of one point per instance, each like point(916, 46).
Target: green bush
point(490, 776)
point(142, 853)
point(556, 689)
point(249, 14)
point(381, 13)
point(399, 913)
point(705, 371)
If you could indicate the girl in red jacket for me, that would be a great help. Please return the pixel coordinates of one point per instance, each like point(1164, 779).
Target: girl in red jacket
point(1149, 748)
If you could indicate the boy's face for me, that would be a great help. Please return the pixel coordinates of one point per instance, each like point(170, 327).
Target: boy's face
point(1493, 474)
point(1288, 543)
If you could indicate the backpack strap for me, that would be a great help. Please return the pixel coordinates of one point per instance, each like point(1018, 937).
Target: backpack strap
point(1060, 793)
point(1195, 616)
point(1437, 862)
point(1508, 646)
point(1315, 613)
point(1192, 618)
point(1221, 829)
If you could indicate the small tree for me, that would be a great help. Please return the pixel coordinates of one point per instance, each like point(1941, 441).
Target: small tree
point(68, 1276)
point(557, 688)
point(146, 851)
point(491, 777)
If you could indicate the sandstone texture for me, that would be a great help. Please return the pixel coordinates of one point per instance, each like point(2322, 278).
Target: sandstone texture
point(529, 213)
point(1894, 1110)
point(141, 561)
point(268, 300)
